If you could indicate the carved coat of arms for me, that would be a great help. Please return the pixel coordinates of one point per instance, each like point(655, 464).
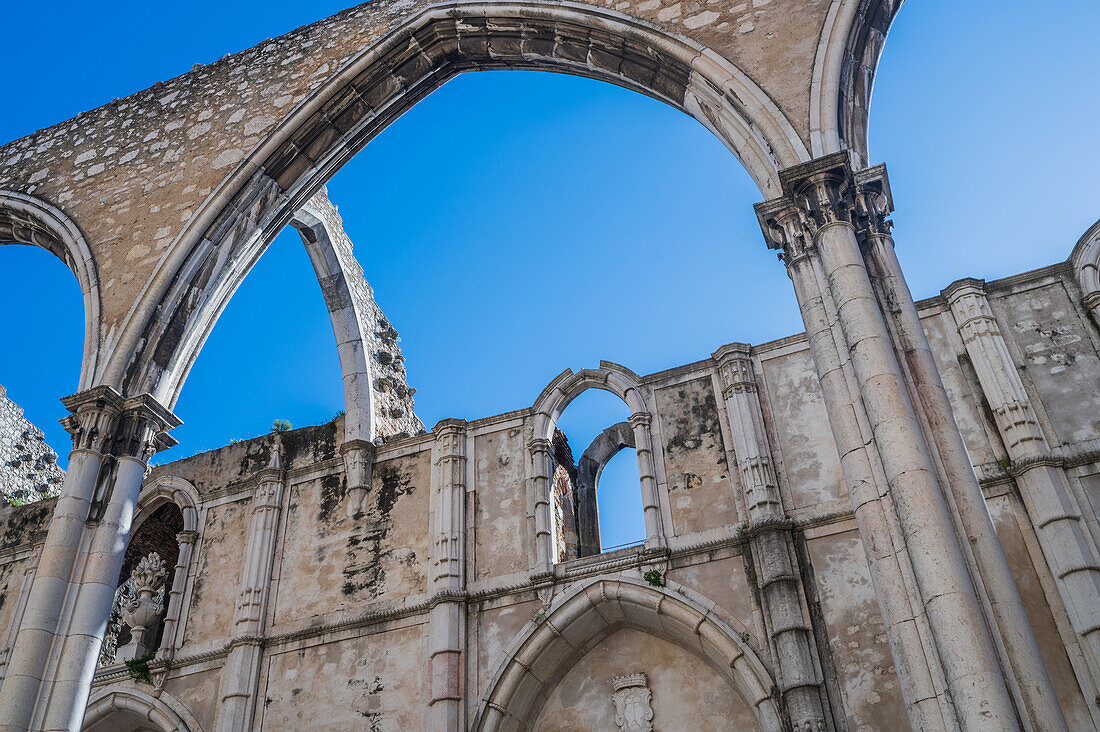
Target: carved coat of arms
point(633, 710)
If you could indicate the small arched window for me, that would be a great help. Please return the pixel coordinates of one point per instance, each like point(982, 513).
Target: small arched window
point(597, 399)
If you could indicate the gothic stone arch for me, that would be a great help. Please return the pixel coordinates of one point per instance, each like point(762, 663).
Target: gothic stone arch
point(195, 281)
point(124, 707)
point(623, 383)
point(1085, 260)
point(27, 220)
point(178, 190)
point(605, 446)
point(590, 612)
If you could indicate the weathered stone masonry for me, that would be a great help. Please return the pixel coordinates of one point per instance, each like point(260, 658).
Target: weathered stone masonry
point(888, 520)
point(28, 466)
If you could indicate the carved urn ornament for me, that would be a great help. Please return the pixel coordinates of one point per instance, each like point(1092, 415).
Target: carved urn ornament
point(142, 610)
point(633, 711)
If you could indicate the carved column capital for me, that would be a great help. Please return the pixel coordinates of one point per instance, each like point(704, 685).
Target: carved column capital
point(821, 193)
point(640, 419)
point(539, 445)
point(187, 536)
point(104, 421)
point(735, 368)
point(94, 416)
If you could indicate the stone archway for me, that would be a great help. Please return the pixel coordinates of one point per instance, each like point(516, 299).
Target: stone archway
point(623, 383)
point(589, 613)
point(27, 220)
point(195, 281)
point(125, 708)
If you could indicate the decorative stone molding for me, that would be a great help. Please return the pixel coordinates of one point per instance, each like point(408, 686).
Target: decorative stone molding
point(750, 439)
point(102, 421)
point(450, 507)
point(359, 468)
point(260, 546)
point(633, 702)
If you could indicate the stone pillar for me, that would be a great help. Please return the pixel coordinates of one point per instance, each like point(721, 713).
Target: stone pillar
point(651, 505)
point(447, 620)
point(186, 541)
point(539, 496)
point(1019, 652)
point(774, 562)
point(241, 672)
point(57, 647)
point(1059, 526)
point(813, 222)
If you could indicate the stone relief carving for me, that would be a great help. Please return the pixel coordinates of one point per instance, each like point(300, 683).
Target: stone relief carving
point(141, 611)
point(632, 697)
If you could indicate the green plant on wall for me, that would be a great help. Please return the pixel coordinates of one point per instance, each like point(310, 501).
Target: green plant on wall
point(281, 425)
point(139, 668)
point(654, 578)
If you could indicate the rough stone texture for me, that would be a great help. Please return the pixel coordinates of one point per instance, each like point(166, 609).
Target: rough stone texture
point(696, 469)
point(28, 466)
point(391, 396)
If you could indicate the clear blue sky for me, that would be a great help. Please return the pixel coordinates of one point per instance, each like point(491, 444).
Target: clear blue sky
point(517, 223)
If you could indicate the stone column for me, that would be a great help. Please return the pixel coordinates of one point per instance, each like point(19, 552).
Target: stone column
point(447, 620)
point(57, 647)
point(905, 624)
point(241, 672)
point(1018, 649)
point(776, 567)
point(168, 644)
point(651, 505)
point(539, 497)
point(1059, 526)
point(813, 221)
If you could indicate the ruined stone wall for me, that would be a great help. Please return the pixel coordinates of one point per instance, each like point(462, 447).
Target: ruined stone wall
point(352, 622)
point(28, 466)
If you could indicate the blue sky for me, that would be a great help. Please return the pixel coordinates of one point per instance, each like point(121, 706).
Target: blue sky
point(517, 223)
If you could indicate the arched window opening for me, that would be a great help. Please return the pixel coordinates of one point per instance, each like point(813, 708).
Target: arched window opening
point(595, 509)
point(42, 330)
point(137, 623)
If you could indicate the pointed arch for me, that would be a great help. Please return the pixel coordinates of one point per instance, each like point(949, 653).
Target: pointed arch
point(848, 53)
point(124, 702)
point(625, 384)
point(156, 493)
point(336, 271)
point(591, 611)
point(567, 386)
point(168, 489)
point(1085, 260)
point(251, 206)
point(25, 219)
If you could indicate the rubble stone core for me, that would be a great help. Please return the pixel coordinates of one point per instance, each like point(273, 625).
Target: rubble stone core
point(888, 520)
